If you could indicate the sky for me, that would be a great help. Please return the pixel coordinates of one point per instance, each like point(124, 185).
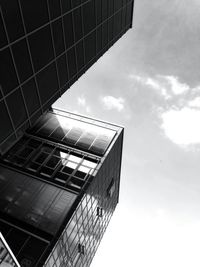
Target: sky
point(149, 82)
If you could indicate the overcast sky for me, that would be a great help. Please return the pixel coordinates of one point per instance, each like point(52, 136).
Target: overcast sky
point(149, 82)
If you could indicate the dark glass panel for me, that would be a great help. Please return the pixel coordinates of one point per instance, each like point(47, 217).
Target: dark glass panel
point(13, 20)
point(31, 252)
point(19, 239)
point(41, 47)
point(76, 3)
point(35, 13)
point(3, 39)
point(67, 170)
point(68, 30)
point(55, 10)
point(7, 126)
point(123, 18)
point(105, 9)
point(31, 96)
point(98, 12)
point(110, 29)
point(129, 9)
point(22, 59)
point(89, 20)
point(16, 107)
point(72, 62)
point(58, 36)
point(99, 39)
point(26, 152)
point(80, 55)
point(62, 70)
point(110, 7)
point(90, 46)
point(53, 162)
point(105, 34)
point(66, 5)
point(47, 82)
point(117, 4)
point(78, 24)
point(8, 75)
point(117, 24)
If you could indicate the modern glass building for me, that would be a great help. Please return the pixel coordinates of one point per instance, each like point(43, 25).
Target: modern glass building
point(59, 185)
point(45, 46)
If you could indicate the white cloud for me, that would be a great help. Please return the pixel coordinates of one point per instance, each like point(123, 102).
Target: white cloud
point(111, 102)
point(81, 101)
point(195, 103)
point(176, 87)
point(182, 126)
point(83, 104)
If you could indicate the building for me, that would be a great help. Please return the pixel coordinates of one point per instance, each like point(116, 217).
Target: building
point(45, 46)
point(59, 185)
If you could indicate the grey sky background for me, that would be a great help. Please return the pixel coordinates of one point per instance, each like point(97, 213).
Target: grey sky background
point(149, 82)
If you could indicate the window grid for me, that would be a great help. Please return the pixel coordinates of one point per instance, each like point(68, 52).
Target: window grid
point(32, 117)
point(50, 162)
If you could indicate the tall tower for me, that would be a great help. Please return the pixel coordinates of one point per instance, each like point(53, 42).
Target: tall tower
point(45, 46)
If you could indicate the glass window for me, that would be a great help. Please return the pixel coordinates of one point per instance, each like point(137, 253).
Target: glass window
point(8, 75)
point(58, 36)
point(105, 34)
point(66, 5)
point(98, 11)
point(89, 20)
point(90, 46)
point(78, 24)
point(16, 107)
point(41, 47)
point(117, 23)
point(105, 9)
point(54, 6)
point(58, 134)
point(89, 164)
point(110, 7)
point(47, 82)
point(84, 169)
point(71, 165)
point(13, 20)
point(74, 158)
point(35, 13)
point(31, 96)
point(3, 39)
point(7, 126)
point(68, 29)
point(80, 55)
point(129, 9)
point(22, 59)
point(62, 70)
point(99, 39)
point(72, 62)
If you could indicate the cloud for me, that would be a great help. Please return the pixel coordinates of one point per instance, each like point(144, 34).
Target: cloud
point(176, 87)
point(194, 103)
point(111, 102)
point(182, 126)
point(81, 101)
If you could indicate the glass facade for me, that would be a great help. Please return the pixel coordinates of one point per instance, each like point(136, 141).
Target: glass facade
point(56, 198)
point(45, 46)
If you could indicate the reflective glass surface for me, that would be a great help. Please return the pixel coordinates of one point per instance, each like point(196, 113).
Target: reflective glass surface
point(73, 132)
